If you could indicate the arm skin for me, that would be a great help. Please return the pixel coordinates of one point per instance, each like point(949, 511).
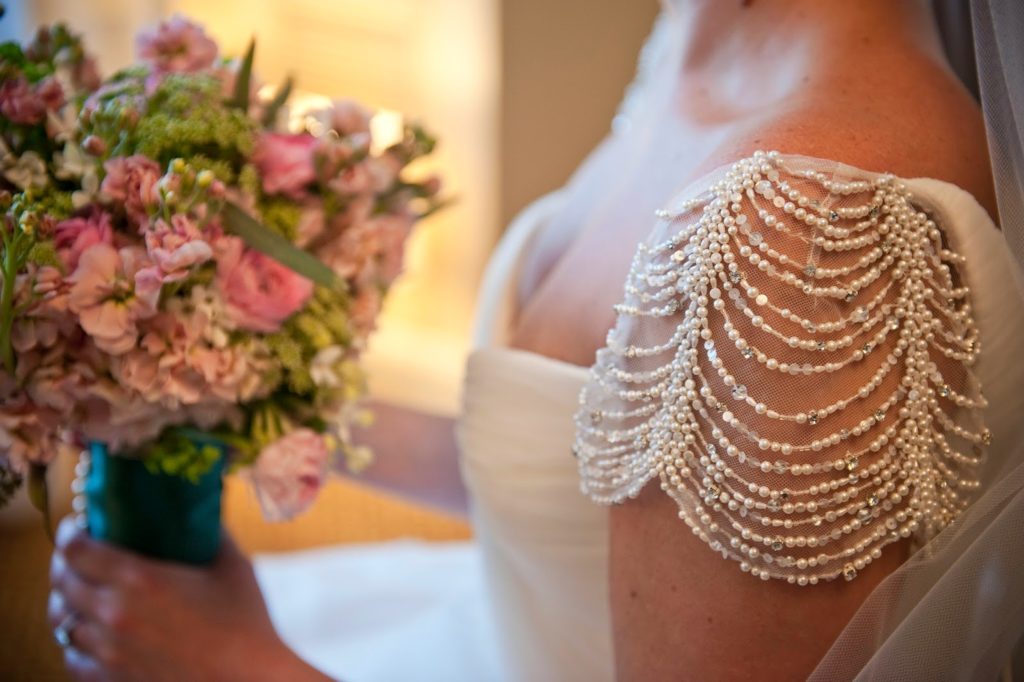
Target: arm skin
point(416, 458)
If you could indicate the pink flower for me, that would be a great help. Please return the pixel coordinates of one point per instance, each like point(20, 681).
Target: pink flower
point(348, 117)
point(29, 433)
point(365, 310)
point(176, 247)
point(20, 103)
point(370, 251)
point(50, 92)
point(75, 235)
point(104, 298)
point(285, 162)
point(311, 225)
point(132, 181)
point(177, 46)
point(259, 293)
point(289, 473)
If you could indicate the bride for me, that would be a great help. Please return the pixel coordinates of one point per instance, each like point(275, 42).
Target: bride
point(810, 374)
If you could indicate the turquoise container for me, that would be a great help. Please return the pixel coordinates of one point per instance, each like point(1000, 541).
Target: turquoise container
point(155, 514)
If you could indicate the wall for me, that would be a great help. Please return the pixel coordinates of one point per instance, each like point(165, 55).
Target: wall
point(564, 67)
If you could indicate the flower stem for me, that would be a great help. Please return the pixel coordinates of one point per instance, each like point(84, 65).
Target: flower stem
point(10, 272)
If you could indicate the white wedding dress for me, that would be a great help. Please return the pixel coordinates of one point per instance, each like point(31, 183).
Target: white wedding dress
point(526, 601)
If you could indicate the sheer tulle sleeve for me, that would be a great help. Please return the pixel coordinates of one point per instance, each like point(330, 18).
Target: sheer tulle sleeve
point(792, 363)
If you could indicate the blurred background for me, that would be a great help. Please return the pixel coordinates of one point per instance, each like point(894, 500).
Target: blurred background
point(518, 91)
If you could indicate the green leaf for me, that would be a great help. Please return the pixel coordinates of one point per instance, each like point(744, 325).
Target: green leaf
point(277, 247)
point(39, 494)
point(274, 106)
point(240, 99)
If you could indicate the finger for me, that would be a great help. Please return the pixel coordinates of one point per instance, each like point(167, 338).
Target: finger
point(79, 596)
point(81, 667)
point(94, 642)
point(56, 609)
point(95, 561)
point(88, 638)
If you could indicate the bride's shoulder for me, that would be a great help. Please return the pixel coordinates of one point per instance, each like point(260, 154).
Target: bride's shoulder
point(919, 122)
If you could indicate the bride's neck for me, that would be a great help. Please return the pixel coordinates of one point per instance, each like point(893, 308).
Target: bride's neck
point(761, 48)
point(746, 27)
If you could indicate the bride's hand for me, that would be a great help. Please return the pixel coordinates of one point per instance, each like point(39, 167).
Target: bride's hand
point(138, 619)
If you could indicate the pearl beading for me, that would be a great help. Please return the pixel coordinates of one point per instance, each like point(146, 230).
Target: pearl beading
point(668, 398)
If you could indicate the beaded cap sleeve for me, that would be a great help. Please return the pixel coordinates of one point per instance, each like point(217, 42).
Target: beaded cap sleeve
point(792, 362)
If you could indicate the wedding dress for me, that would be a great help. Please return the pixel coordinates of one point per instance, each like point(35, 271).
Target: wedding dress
point(527, 600)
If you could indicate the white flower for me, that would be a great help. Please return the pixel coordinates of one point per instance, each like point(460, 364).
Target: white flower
point(72, 163)
point(27, 170)
point(209, 303)
point(323, 369)
point(62, 124)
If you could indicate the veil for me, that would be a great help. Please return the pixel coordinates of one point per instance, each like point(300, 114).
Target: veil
point(955, 609)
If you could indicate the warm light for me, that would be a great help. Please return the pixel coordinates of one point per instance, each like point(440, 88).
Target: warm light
point(387, 128)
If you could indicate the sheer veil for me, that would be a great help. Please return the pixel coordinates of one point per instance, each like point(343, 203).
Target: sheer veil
point(955, 610)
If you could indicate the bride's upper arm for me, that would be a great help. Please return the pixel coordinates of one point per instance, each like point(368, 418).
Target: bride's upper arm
point(776, 407)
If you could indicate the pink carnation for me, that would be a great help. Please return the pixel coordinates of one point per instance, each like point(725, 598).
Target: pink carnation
point(75, 235)
point(177, 46)
point(103, 295)
point(132, 181)
point(259, 292)
point(289, 473)
point(285, 162)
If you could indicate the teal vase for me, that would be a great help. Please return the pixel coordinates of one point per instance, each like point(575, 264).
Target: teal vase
point(156, 514)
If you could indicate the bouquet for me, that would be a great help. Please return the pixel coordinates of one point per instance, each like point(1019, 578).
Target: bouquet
point(183, 278)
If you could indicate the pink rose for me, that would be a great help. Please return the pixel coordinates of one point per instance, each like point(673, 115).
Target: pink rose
point(289, 473)
point(132, 181)
point(285, 162)
point(259, 293)
point(75, 235)
point(177, 46)
point(103, 296)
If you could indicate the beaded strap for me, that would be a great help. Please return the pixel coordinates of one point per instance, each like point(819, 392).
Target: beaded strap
point(792, 362)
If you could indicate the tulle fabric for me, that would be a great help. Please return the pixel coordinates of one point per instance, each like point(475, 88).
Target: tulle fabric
point(955, 610)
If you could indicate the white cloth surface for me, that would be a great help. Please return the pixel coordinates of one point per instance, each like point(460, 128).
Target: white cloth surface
point(403, 610)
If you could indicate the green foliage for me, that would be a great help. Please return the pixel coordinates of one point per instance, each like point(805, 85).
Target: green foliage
point(176, 453)
point(221, 169)
point(186, 118)
point(44, 253)
point(282, 216)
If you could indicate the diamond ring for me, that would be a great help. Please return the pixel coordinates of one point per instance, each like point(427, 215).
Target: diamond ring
point(62, 633)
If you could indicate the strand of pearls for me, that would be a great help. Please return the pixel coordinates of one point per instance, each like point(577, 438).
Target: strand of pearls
point(754, 477)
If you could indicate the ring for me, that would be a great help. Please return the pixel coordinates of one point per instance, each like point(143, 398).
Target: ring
point(62, 633)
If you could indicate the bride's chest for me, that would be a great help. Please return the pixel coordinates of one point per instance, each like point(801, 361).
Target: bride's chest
point(574, 268)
